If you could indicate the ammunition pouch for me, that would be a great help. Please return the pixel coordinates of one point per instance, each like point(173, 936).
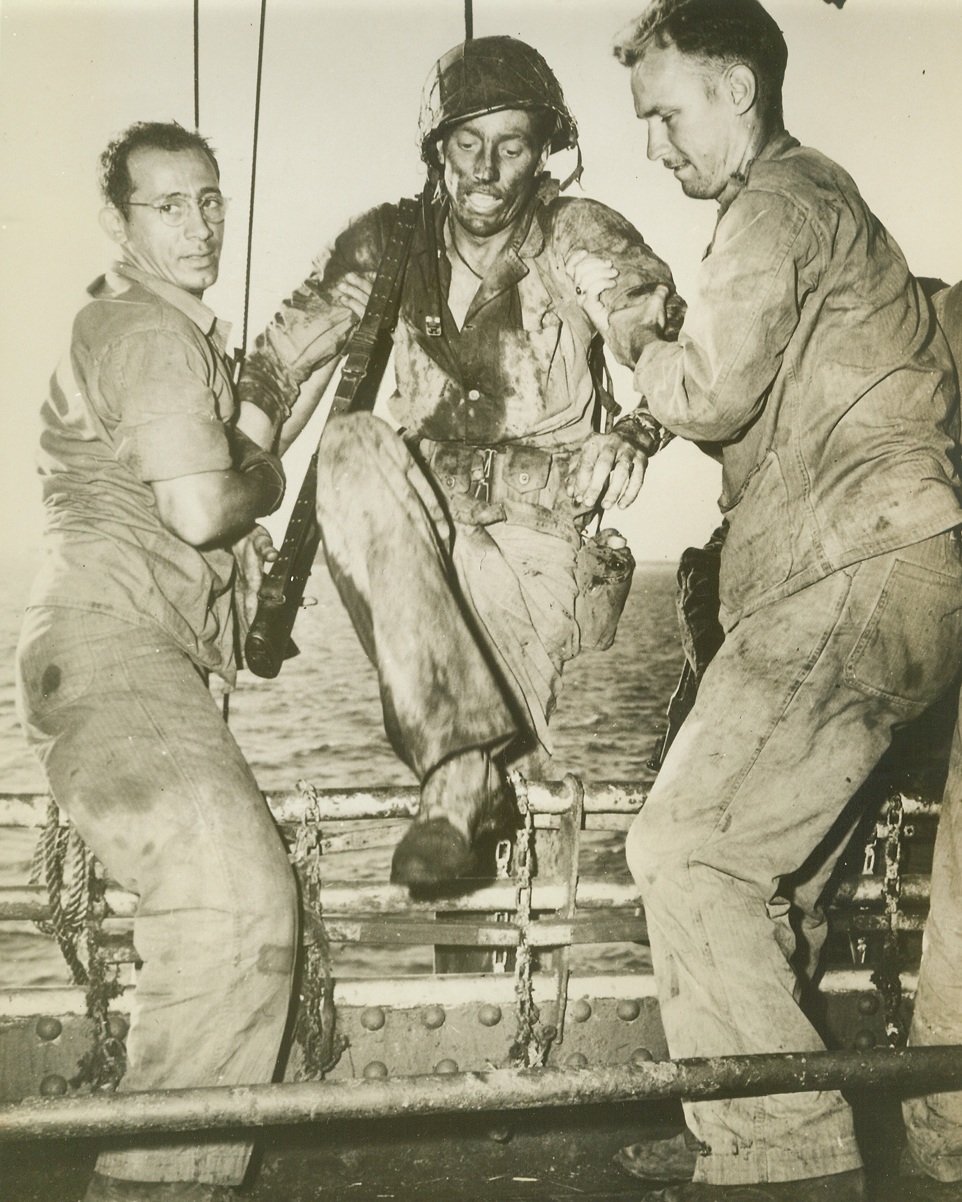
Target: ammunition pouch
point(520, 484)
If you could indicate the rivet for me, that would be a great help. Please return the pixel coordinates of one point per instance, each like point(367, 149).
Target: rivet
point(118, 1026)
point(581, 1010)
point(375, 1071)
point(48, 1027)
point(864, 1041)
point(577, 1060)
point(53, 1086)
point(628, 1011)
point(641, 1056)
point(446, 1066)
point(489, 1015)
point(372, 1019)
point(433, 1017)
point(868, 1003)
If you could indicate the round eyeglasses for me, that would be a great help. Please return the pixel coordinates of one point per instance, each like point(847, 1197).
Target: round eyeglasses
point(176, 209)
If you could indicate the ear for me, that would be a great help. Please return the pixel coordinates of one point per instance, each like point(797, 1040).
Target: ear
point(439, 149)
point(743, 87)
point(542, 161)
point(113, 225)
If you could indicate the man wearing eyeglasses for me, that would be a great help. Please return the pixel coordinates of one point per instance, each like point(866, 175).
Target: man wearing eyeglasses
point(150, 491)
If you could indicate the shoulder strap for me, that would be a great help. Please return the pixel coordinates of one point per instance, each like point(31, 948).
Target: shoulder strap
point(365, 348)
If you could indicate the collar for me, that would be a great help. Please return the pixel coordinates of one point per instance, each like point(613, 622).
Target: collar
point(776, 146)
point(191, 306)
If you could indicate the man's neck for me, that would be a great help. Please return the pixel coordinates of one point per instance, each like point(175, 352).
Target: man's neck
point(480, 253)
point(758, 138)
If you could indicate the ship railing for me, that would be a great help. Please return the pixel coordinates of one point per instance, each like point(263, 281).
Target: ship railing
point(407, 1034)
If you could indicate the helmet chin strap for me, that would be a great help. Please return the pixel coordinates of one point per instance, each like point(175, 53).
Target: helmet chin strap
point(575, 176)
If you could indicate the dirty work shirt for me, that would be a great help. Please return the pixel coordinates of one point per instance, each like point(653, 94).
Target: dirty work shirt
point(143, 395)
point(514, 378)
point(123, 623)
point(810, 354)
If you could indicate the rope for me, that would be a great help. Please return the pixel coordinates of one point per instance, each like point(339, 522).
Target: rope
point(75, 893)
point(317, 1015)
point(250, 221)
point(60, 863)
point(532, 1040)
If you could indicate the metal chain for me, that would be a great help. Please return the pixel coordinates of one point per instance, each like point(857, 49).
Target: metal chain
point(532, 1041)
point(886, 977)
point(317, 1015)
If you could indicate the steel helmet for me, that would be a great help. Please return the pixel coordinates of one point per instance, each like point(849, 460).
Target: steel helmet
point(484, 75)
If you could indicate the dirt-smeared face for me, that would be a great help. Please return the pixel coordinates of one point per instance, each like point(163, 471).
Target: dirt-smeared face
point(492, 164)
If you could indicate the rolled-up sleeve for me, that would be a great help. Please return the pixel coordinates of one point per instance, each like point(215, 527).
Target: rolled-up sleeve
point(712, 382)
point(160, 383)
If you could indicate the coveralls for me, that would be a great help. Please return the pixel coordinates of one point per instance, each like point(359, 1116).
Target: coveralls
point(124, 623)
point(811, 356)
point(934, 1122)
point(453, 543)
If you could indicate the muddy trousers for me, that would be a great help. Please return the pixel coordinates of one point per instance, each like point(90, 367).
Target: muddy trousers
point(934, 1123)
point(138, 756)
point(467, 626)
point(791, 716)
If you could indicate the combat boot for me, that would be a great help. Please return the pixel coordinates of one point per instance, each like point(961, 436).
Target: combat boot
point(463, 798)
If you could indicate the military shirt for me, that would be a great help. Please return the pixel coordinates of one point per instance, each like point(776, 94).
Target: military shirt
point(517, 370)
point(143, 395)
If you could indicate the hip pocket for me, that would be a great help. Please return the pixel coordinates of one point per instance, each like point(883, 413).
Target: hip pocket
point(910, 648)
point(55, 663)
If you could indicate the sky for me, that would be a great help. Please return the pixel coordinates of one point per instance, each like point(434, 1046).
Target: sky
point(875, 85)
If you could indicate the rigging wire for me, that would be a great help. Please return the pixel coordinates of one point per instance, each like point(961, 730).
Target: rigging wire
point(257, 121)
point(196, 64)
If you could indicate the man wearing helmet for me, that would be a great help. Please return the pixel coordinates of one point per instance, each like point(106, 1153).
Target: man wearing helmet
point(454, 546)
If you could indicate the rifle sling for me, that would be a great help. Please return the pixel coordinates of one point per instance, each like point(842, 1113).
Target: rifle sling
point(380, 316)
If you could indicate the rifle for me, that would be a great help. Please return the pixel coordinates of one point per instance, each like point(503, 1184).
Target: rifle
point(269, 641)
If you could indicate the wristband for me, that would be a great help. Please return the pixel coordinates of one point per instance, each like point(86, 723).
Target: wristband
point(642, 431)
point(248, 457)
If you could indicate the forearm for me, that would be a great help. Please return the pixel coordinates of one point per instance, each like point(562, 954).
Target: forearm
point(269, 432)
point(216, 508)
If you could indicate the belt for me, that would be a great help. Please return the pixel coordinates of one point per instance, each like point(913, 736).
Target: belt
point(512, 482)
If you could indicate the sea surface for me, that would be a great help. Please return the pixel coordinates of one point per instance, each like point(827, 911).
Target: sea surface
point(320, 722)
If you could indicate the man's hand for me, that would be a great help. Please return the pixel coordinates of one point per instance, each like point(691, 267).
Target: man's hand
point(591, 275)
point(251, 553)
point(354, 291)
point(606, 459)
point(627, 331)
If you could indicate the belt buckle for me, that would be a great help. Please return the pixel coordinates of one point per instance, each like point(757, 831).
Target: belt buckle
point(481, 465)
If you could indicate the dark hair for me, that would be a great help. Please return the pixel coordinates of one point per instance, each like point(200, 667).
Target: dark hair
point(726, 31)
point(115, 182)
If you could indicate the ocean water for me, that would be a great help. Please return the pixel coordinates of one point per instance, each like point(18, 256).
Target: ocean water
point(320, 721)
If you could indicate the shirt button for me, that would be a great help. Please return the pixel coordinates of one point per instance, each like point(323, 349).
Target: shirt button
point(474, 395)
point(523, 477)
